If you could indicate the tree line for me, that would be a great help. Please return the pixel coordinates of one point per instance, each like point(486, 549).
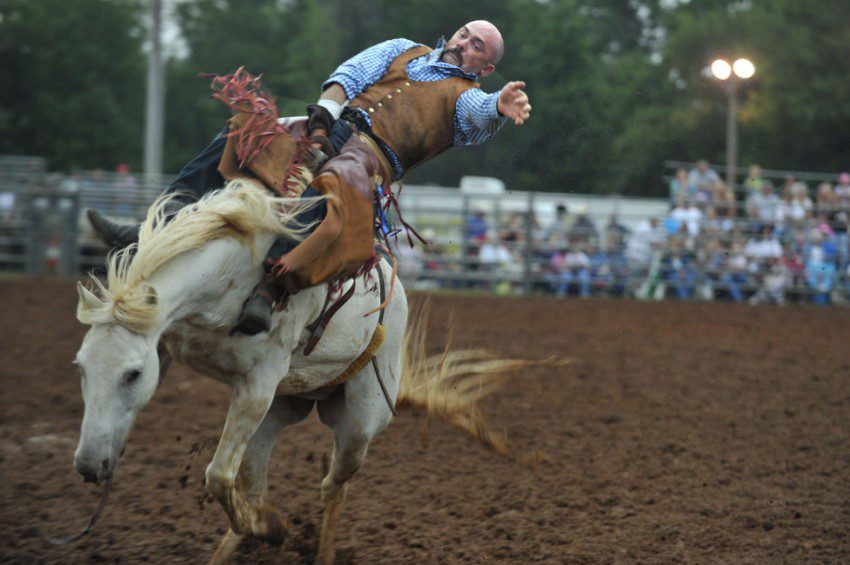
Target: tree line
point(617, 87)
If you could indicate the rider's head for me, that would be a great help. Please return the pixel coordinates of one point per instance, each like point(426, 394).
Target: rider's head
point(476, 48)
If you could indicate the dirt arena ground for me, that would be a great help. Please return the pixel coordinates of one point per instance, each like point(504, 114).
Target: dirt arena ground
point(681, 432)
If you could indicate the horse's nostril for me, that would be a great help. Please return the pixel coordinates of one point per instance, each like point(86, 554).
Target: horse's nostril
point(89, 477)
point(104, 465)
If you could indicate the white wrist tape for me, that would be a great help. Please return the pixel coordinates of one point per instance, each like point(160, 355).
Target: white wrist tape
point(335, 108)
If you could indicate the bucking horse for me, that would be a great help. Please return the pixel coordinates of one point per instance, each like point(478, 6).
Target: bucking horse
point(179, 291)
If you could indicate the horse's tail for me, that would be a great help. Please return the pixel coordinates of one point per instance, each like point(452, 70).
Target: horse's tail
point(449, 385)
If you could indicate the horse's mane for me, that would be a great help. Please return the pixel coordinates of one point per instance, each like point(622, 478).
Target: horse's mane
point(241, 210)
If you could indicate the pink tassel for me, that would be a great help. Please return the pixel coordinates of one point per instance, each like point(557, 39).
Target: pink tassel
point(244, 93)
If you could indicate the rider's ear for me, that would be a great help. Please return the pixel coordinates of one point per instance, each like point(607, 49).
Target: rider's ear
point(487, 69)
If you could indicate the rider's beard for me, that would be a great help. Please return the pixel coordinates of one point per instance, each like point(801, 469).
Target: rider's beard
point(456, 52)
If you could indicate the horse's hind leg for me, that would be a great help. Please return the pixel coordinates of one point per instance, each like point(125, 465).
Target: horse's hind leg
point(348, 454)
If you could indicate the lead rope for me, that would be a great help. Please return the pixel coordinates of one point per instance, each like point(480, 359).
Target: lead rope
point(374, 362)
point(74, 537)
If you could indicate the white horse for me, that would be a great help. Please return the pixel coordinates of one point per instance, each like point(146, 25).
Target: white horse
point(185, 286)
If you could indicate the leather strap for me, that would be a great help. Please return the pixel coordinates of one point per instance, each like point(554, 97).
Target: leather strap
point(382, 157)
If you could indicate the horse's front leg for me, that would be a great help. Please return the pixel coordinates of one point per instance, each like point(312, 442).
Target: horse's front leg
point(251, 400)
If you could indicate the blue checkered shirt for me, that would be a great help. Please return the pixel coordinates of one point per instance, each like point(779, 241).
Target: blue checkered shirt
point(476, 116)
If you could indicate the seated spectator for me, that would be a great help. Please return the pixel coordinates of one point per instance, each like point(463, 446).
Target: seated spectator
point(842, 189)
point(840, 224)
point(790, 213)
point(476, 226)
point(672, 227)
point(437, 256)
point(715, 224)
point(644, 251)
point(762, 248)
point(583, 228)
point(474, 234)
point(125, 191)
point(838, 220)
point(513, 232)
point(847, 284)
point(8, 208)
point(538, 232)
point(680, 187)
point(710, 260)
point(647, 239)
point(754, 180)
point(773, 285)
point(558, 228)
point(734, 272)
point(795, 185)
point(410, 259)
point(679, 270)
point(688, 216)
point(801, 197)
point(555, 266)
point(703, 178)
point(761, 207)
point(495, 257)
point(619, 268)
point(822, 225)
point(794, 266)
point(493, 253)
point(820, 275)
point(615, 233)
point(825, 199)
point(574, 268)
point(601, 270)
point(723, 201)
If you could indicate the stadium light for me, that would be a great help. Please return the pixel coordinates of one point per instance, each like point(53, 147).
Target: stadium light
point(731, 75)
point(721, 69)
point(744, 68)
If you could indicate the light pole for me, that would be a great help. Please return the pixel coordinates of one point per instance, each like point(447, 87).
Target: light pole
point(731, 76)
point(155, 97)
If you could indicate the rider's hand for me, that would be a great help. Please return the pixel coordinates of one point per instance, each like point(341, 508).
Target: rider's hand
point(513, 102)
point(317, 138)
point(319, 123)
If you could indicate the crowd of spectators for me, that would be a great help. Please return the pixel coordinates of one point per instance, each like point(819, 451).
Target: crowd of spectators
point(764, 244)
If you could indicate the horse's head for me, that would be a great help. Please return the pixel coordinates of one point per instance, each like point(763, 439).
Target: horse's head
point(119, 370)
point(118, 359)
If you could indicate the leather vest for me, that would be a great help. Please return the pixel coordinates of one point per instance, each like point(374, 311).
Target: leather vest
point(415, 119)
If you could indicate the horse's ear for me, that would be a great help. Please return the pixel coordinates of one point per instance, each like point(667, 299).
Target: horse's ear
point(87, 298)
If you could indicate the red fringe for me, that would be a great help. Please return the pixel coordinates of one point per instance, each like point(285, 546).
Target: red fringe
point(244, 93)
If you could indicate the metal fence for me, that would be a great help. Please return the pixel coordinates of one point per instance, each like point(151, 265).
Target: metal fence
point(42, 223)
point(510, 243)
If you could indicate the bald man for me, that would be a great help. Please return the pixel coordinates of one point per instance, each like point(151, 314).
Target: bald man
point(381, 113)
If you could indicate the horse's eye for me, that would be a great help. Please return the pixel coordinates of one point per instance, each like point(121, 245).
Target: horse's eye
point(132, 376)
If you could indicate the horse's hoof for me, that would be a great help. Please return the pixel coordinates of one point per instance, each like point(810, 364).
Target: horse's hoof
point(325, 558)
point(226, 548)
point(271, 526)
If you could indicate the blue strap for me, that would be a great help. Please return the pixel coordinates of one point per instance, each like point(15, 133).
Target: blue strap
point(386, 225)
